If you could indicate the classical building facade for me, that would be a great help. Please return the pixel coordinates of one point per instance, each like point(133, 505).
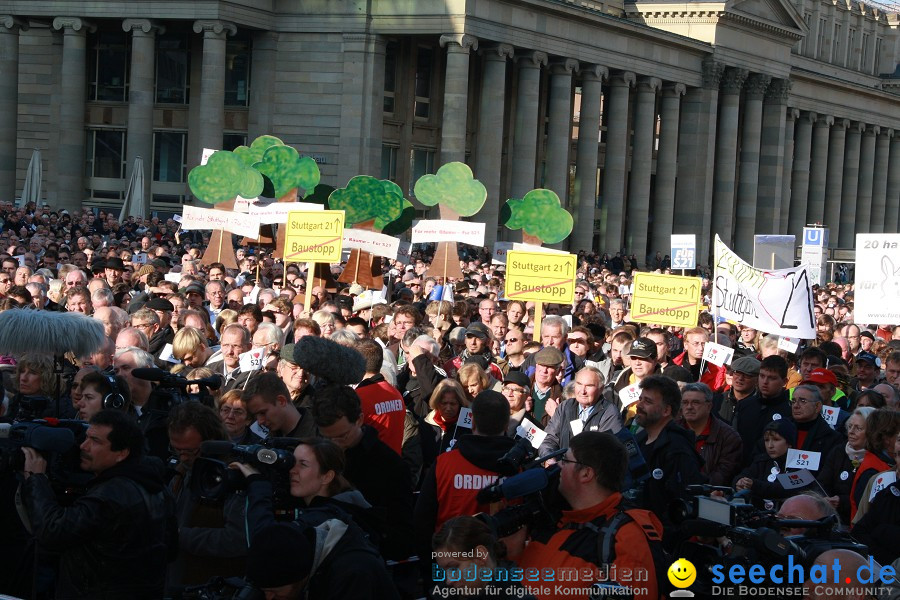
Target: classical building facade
point(647, 118)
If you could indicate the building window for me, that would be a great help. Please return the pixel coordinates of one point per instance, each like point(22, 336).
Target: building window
point(838, 58)
point(108, 64)
point(421, 162)
point(237, 72)
point(864, 53)
point(105, 153)
point(230, 141)
point(878, 41)
point(851, 42)
point(807, 17)
point(820, 42)
point(389, 162)
point(169, 161)
point(390, 75)
point(424, 72)
point(173, 67)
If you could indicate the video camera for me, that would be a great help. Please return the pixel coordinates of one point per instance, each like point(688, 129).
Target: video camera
point(57, 440)
point(171, 388)
point(212, 479)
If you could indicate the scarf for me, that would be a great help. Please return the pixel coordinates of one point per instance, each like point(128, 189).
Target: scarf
point(856, 456)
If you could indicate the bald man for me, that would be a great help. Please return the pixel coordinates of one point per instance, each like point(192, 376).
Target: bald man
point(806, 507)
point(847, 563)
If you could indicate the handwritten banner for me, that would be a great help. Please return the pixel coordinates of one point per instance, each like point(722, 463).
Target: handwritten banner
point(277, 212)
point(778, 302)
point(437, 230)
point(194, 218)
point(378, 244)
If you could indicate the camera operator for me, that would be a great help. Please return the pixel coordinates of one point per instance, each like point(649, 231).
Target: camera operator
point(591, 477)
point(114, 540)
point(211, 536)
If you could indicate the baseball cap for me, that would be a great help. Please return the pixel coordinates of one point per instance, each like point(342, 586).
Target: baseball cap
point(821, 376)
point(479, 330)
point(193, 287)
point(869, 358)
point(643, 348)
point(549, 357)
point(159, 304)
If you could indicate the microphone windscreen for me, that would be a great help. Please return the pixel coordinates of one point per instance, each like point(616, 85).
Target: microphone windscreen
point(49, 332)
point(525, 483)
point(329, 360)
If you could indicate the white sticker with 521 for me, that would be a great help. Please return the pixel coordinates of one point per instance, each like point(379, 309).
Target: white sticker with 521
point(803, 459)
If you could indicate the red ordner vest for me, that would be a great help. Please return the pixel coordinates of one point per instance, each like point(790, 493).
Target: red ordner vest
point(458, 483)
point(383, 408)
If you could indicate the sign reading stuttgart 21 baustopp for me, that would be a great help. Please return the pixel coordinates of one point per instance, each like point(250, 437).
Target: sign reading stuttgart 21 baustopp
point(314, 236)
point(666, 299)
point(540, 277)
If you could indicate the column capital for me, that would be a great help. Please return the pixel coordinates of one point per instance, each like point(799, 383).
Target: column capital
point(594, 72)
point(76, 24)
point(623, 78)
point(809, 115)
point(143, 25)
point(712, 73)
point(825, 120)
point(733, 80)
point(873, 130)
point(209, 27)
point(459, 42)
point(857, 127)
point(674, 90)
point(778, 91)
point(533, 59)
point(498, 52)
point(841, 124)
point(756, 85)
point(10, 22)
point(887, 132)
point(792, 114)
point(565, 66)
point(649, 84)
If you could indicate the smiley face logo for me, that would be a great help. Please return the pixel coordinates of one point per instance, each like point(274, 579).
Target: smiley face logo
point(682, 573)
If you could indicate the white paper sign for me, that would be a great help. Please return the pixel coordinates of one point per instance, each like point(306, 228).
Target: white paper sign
point(375, 243)
point(684, 251)
point(194, 218)
point(242, 205)
point(21, 259)
point(629, 395)
point(830, 414)
point(717, 354)
point(204, 156)
point(176, 218)
point(500, 250)
point(252, 360)
point(403, 251)
point(788, 344)
point(882, 480)
point(139, 259)
point(277, 212)
point(166, 354)
point(531, 432)
point(465, 418)
point(795, 480)
point(440, 230)
point(173, 277)
point(577, 426)
point(803, 459)
point(778, 302)
point(877, 285)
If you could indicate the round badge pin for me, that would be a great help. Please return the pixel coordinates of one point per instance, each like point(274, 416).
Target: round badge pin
point(776, 417)
point(775, 471)
point(771, 477)
point(657, 473)
point(895, 491)
point(845, 475)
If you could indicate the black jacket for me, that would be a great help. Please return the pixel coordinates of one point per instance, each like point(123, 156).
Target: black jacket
point(836, 473)
point(760, 470)
point(820, 437)
point(753, 414)
point(879, 528)
point(114, 541)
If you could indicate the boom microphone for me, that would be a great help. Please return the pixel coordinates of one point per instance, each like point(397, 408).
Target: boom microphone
point(49, 332)
point(329, 360)
point(212, 382)
point(525, 483)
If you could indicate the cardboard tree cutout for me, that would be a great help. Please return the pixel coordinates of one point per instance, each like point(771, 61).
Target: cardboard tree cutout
point(458, 194)
point(220, 181)
point(542, 219)
point(371, 204)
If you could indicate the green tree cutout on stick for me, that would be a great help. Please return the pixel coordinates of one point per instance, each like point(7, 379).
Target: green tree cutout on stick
point(374, 205)
point(457, 193)
point(220, 181)
point(539, 215)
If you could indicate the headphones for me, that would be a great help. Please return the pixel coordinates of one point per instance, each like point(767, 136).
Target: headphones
point(114, 399)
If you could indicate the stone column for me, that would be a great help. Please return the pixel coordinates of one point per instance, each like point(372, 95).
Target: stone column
point(489, 150)
point(772, 149)
point(783, 212)
point(362, 107)
point(815, 206)
point(586, 158)
point(726, 155)
point(847, 203)
point(527, 126)
point(834, 179)
point(696, 143)
point(893, 184)
point(69, 177)
point(212, 83)
point(262, 91)
point(641, 168)
point(666, 168)
point(614, 168)
point(456, 96)
point(865, 211)
point(141, 97)
point(559, 131)
point(9, 101)
point(882, 212)
point(800, 173)
point(748, 186)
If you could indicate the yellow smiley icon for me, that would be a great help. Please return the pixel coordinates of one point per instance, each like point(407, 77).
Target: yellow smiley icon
point(682, 573)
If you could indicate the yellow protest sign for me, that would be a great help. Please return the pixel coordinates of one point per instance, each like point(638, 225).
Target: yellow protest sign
point(314, 236)
point(666, 299)
point(540, 277)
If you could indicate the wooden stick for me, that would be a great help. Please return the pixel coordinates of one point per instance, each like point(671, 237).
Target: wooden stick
point(307, 303)
point(219, 254)
point(258, 261)
point(356, 272)
point(538, 316)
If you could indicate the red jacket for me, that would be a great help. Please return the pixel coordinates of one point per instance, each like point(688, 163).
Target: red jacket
point(383, 409)
point(713, 376)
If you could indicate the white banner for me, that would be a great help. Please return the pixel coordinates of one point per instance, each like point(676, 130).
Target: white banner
point(375, 243)
point(277, 212)
point(438, 230)
point(193, 218)
point(778, 302)
point(500, 250)
point(803, 459)
point(684, 251)
point(717, 354)
point(877, 285)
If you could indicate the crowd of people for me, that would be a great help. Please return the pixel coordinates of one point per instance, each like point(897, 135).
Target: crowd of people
point(377, 417)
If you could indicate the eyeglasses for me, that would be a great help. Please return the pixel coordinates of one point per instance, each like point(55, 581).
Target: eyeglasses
point(563, 459)
point(513, 340)
point(188, 452)
point(803, 400)
point(578, 340)
point(513, 389)
point(229, 410)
